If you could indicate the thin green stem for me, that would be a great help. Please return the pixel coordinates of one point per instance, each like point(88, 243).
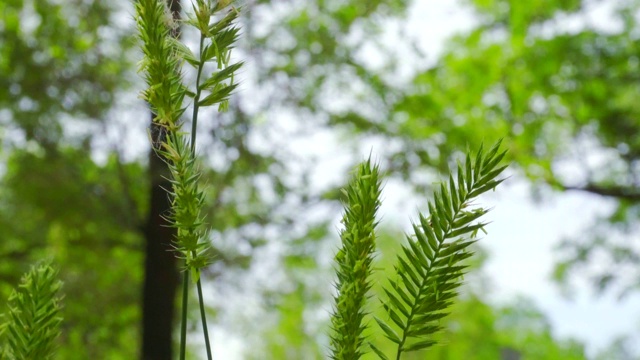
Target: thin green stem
point(194, 126)
point(183, 325)
point(204, 321)
point(196, 100)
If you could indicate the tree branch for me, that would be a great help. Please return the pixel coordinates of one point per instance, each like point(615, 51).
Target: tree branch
point(623, 193)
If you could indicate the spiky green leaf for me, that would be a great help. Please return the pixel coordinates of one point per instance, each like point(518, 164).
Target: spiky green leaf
point(431, 266)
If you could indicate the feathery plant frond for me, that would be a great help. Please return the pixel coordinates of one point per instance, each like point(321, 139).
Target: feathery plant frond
point(353, 262)
point(33, 321)
point(160, 64)
point(430, 266)
point(164, 56)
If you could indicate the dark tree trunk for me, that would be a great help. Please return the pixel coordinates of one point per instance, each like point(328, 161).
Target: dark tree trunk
point(160, 271)
point(161, 278)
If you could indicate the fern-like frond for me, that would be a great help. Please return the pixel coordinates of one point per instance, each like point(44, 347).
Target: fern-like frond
point(33, 321)
point(353, 262)
point(430, 267)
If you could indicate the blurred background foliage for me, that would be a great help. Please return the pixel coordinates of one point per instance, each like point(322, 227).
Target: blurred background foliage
point(560, 87)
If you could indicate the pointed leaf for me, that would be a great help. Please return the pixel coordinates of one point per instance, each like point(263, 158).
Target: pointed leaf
point(486, 187)
point(412, 289)
point(397, 304)
point(220, 76)
point(490, 156)
point(418, 252)
point(218, 95)
point(420, 345)
point(477, 169)
point(466, 229)
point(407, 269)
point(395, 317)
point(391, 335)
point(377, 351)
point(490, 176)
point(455, 201)
point(183, 51)
point(455, 247)
point(462, 189)
point(468, 173)
point(490, 163)
point(423, 330)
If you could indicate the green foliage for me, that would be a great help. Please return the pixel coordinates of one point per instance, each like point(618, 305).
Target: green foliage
point(186, 201)
point(160, 65)
point(477, 330)
point(33, 321)
point(63, 64)
point(291, 339)
point(354, 262)
point(520, 325)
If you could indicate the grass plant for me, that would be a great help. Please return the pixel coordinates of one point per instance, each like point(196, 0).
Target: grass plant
point(164, 56)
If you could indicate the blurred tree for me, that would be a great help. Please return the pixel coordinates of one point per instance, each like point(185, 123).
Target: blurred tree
point(56, 60)
point(517, 331)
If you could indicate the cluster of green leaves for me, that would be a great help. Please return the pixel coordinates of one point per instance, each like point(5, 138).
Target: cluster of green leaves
point(436, 271)
point(429, 269)
point(33, 321)
point(160, 66)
